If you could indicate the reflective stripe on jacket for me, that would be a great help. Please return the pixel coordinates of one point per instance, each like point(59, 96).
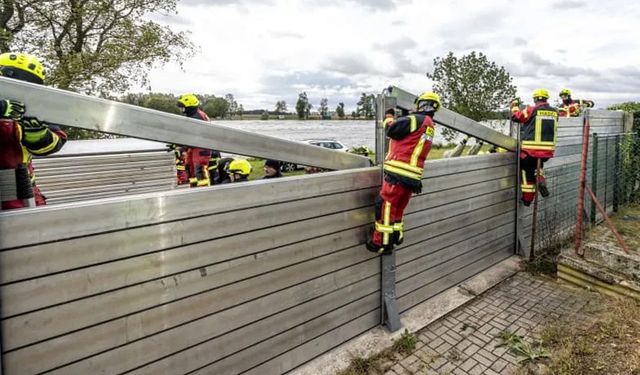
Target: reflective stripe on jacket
point(411, 138)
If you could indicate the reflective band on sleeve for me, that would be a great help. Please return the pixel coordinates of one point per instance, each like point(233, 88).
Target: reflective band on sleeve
point(386, 219)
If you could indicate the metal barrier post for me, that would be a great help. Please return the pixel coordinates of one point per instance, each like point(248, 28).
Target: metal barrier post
point(594, 175)
point(618, 173)
point(580, 214)
point(389, 315)
point(606, 170)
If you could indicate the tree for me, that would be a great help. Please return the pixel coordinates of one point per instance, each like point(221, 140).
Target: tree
point(216, 108)
point(324, 108)
point(365, 106)
point(281, 107)
point(302, 106)
point(13, 17)
point(233, 105)
point(240, 110)
point(340, 110)
point(264, 115)
point(471, 85)
point(100, 46)
point(162, 102)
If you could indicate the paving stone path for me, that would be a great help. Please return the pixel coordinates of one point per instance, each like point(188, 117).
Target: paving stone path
point(465, 342)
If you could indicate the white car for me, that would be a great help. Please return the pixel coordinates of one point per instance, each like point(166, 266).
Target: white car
point(326, 143)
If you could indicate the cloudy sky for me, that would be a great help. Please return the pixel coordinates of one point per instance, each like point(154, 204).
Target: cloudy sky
point(263, 51)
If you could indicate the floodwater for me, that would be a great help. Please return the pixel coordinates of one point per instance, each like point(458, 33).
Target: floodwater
point(350, 133)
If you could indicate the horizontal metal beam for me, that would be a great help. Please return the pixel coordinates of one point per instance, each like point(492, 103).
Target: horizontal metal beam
point(86, 112)
point(455, 121)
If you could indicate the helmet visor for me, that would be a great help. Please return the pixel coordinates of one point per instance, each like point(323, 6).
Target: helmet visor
point(15, 73)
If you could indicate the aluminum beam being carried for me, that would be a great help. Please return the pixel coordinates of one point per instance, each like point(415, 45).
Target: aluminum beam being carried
point(450, 119)
point(86, 112)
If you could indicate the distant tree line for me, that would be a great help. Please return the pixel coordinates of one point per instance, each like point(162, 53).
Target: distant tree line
point(216, 107)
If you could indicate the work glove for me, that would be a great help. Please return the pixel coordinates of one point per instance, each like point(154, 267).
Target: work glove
point(11, 109)
point(33, 130)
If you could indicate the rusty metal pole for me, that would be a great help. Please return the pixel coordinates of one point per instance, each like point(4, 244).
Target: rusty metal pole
point(534, 217)
point(612, 227)
point(581, 187)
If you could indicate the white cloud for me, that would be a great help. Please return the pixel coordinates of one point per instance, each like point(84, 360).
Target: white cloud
point(266, 50)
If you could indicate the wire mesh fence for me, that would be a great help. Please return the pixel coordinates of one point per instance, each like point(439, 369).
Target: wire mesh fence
point(615, 174)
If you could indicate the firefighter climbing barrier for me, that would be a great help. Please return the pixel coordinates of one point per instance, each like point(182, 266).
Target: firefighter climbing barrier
point(254, 278)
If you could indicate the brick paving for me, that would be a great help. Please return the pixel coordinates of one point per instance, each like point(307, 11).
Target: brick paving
point(464, 341)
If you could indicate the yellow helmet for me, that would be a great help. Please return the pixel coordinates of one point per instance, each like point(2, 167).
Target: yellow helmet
point(239, 166)
point(188, 100)
point(21, 66)
point(566, 92)
point(540, 93)
point(428, 97)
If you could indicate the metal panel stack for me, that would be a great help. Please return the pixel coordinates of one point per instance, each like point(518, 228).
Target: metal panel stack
point(261, 276)
point(82, 177)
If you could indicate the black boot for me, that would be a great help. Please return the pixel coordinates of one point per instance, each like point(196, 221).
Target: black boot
point(542, 188)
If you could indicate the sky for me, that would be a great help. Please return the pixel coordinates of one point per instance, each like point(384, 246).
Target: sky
point(263, 51)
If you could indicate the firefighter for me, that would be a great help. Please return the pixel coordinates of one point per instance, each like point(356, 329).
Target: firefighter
point(21, 137)
point(410, 141)
point(572, 107)
point(180, 155)
point(538, 137)
point(213, 166)
point(272, 168)
point(197, 159)
point(238, 170)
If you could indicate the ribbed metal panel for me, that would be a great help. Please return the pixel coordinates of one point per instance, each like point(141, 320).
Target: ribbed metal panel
point(83, 177)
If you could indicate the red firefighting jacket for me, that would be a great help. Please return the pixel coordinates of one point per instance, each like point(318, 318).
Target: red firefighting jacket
point(538, 131)
point(197, 159)
point(572, 108)
point(411, 137)
point(16, 169)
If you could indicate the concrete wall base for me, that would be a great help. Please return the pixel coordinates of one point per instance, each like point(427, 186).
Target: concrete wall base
point(591, 276)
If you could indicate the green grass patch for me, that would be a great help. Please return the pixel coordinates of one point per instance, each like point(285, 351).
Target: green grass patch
point(521, 348)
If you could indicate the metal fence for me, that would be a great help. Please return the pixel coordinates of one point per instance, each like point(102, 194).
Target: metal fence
point(615, 173)
point(556, 218)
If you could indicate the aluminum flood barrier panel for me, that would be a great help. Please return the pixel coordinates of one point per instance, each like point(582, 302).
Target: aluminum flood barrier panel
point(253, 278)
point(86, 112)
point(455, 121)
point(93, 169)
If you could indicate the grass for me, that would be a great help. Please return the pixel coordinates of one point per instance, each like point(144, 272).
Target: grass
point(627, 223)
point(382, 362)
point(521, 348)
point(609, 343)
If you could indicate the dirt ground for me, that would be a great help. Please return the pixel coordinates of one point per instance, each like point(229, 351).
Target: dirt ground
point(627, 222)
